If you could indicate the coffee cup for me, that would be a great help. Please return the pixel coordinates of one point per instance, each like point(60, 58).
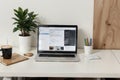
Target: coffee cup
point(6, 51)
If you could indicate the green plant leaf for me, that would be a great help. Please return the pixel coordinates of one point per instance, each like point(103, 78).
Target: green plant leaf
point(15, 11)
point(20, 9)
point(15, 19)
point(25, 12)
point(15, 29)
point(15, 23)
point(16, 15)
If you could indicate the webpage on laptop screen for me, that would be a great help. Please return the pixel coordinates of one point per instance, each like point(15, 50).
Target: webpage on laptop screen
point(57, 39)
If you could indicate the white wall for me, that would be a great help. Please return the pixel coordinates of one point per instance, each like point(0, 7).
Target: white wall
point(78, 12)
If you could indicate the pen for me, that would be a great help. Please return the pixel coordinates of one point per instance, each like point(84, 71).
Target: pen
point(90, 41)
point(85, 41)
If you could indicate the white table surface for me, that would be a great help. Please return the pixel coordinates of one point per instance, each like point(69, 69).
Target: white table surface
point(116, 53)
point(107, 66)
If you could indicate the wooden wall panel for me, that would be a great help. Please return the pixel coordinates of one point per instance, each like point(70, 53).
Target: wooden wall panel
point(106, 31)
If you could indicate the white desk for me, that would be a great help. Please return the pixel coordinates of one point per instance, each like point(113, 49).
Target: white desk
point(116, 53)
point(107, 66)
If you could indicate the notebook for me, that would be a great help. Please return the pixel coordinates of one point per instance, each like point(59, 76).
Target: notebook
point(57, 43)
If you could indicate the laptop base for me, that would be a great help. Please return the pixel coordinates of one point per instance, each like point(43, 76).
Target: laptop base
point(57, 59)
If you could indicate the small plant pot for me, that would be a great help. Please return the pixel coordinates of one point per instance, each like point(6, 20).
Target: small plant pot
point(24, 44)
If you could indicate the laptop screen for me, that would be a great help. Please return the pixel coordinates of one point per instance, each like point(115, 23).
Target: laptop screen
point(57, 38)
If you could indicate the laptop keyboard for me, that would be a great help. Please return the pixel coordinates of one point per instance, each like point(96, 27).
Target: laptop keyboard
point(53, 55)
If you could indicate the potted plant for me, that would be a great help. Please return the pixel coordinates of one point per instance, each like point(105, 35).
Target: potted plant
point(25, 23)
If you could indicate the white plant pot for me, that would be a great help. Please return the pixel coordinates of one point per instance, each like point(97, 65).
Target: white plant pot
point(24, 44)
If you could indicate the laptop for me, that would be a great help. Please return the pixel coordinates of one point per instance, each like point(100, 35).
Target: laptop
point(57, 43)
